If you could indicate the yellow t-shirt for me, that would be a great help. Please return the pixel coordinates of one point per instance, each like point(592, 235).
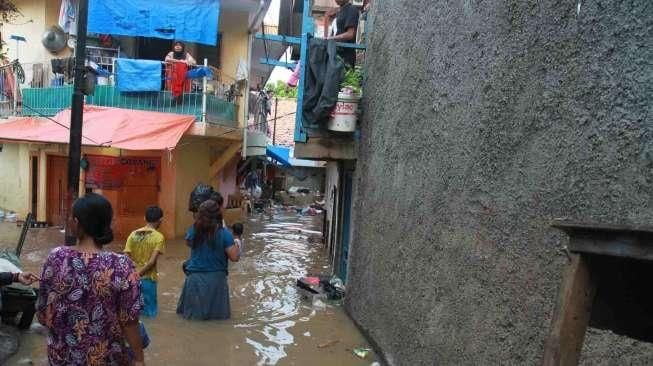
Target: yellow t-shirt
point(140, 246)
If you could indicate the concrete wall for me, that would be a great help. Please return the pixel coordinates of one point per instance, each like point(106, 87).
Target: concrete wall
point(225, 181)
point(14, 178)
point(193, 170)
point(235, 46)
point(313, 178)
point(483, 121)
point(180, 172)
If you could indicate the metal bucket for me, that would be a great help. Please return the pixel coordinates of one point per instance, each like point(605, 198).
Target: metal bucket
point(345, 114)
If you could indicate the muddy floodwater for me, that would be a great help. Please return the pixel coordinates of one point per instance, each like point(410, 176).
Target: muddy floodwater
point(270, 325)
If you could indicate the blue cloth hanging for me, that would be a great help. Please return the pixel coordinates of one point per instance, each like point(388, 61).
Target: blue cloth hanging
point(186, 20)
point(138, 75)
point(199, 72)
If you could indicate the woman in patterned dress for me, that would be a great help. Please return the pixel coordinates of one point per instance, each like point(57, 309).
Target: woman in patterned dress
point(89, 298)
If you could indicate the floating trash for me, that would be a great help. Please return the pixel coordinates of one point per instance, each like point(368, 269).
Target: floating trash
point(328, 343)
point(361, 352)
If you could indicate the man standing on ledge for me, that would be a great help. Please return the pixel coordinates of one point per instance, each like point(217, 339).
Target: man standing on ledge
point(346, 25)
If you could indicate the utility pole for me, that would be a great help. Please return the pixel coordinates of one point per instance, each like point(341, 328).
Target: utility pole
point(76, 118)
point(274, 128)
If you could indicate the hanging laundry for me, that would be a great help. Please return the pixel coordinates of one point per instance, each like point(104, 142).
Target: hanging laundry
point(8, 87)
point(294, 77)
point(99, 71)
point(324, 73)
point(138, 75)
point(241, 70)
point(199, 72)
point(68, 16)
point(106, 40)
point(63, 66)
point(176, 80)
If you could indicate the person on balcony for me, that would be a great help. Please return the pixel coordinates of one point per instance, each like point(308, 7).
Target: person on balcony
point(177, 64)
point(346, 25)
point(179, 54)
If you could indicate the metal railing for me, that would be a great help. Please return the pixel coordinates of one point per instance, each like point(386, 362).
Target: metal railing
point(32, 89)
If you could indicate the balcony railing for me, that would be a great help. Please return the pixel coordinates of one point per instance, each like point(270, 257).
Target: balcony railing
point(307, 33)
point(42, 93)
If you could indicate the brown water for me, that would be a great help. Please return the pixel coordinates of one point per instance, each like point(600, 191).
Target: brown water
point(270, 325)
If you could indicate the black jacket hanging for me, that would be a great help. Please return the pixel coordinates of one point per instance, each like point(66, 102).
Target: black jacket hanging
point(324, 74)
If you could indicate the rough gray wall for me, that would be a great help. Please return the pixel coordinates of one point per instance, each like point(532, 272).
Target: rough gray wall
point(483, 121)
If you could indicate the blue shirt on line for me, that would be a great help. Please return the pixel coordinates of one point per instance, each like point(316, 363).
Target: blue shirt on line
point(207, 257)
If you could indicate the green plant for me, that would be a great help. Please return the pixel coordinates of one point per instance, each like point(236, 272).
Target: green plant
point(353, 79)
point(282, 90)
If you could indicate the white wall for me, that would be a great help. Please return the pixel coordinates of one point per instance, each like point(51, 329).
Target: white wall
point(14, 178)
point(36, 16)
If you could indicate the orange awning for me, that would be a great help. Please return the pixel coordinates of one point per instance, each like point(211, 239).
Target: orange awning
point(115, 127)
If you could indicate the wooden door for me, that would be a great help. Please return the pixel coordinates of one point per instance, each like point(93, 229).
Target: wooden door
point(57, 187)
point(140, 189)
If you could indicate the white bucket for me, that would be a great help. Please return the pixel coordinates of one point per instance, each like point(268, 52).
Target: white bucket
point(344, 115)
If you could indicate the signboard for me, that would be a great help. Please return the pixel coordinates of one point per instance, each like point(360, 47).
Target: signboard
point(113, 172)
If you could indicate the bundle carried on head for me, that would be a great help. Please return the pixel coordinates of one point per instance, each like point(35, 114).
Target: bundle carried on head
point(201, 193)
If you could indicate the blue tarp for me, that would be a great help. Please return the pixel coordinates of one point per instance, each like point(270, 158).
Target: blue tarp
point(279, 153)
point(138, 75)
point(186, 20)
point(199, 72)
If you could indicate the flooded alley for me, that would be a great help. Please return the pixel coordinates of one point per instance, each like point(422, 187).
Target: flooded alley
point(270, 325)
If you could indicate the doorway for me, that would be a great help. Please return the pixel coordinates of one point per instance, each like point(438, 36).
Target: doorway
point(153, 48)
point(56, 190)
point(34, 199)
point(345, 208)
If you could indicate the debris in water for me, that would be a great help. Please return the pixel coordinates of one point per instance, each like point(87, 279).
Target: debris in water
point(375, 364)
point(26, 361)
point(319, 304)
point(361, 352)
point(328, 344)
point(307, 334)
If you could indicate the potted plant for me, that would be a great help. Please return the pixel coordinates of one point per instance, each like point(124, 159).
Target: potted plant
point(345, 114)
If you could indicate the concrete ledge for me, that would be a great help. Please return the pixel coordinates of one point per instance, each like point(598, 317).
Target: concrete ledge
point(216, 130)
point(326, 148)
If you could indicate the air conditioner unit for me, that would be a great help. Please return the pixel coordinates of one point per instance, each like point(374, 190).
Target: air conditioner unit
point(357, 2)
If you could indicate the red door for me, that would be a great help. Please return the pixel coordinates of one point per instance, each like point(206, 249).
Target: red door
point(56, 191)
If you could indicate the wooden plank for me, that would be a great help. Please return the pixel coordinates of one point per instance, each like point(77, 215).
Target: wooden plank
point(574, 226)
point(623, 246)
point(571, 315)
point(224, 158)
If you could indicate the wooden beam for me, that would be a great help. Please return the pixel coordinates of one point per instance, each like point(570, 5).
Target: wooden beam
point(224, 158)
point(571, 315)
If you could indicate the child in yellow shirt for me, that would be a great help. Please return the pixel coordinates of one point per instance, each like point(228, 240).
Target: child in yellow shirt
point(144, 247)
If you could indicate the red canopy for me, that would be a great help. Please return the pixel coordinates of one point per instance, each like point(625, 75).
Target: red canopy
point(121, 128)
